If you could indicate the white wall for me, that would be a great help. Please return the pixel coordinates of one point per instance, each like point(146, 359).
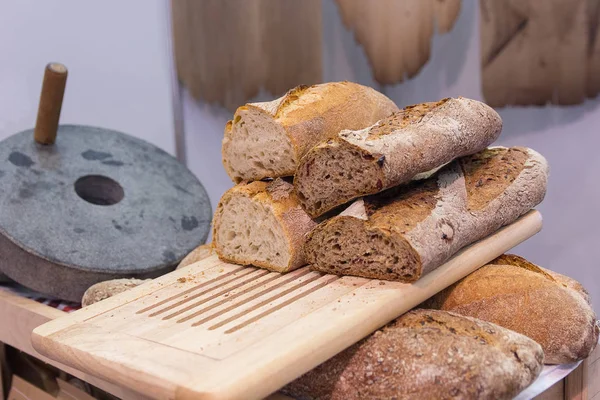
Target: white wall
point(118, 58)
point(570, 240)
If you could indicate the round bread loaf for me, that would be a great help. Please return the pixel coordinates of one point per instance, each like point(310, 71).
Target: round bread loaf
point(427, 354)
point(550, 308)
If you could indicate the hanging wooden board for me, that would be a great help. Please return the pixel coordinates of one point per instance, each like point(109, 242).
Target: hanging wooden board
point(538, 52)
point(227, 50)
point(396, 34)
point(215, 330)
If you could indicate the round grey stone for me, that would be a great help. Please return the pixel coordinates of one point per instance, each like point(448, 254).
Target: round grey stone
point(96, 205)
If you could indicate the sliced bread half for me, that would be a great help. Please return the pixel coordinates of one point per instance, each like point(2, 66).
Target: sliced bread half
point(261, 224)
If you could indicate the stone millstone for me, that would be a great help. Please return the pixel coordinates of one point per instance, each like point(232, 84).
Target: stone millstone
point(96, 205)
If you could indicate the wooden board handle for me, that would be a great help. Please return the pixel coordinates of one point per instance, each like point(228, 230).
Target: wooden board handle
point(51, 98)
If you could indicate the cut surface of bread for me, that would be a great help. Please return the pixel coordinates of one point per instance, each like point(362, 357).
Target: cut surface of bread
point(261, 224)
point(409, 230)
point(393, 151)
point(512, 292)
point(257, 146)
point(427, 354)
point(269, 139)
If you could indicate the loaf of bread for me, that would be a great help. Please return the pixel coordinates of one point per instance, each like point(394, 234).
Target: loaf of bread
point(427, 354)
point(198, 254)
point(268, 139)
point(410, 230)
point(412, 141)
point(548, 307)
point(106, 289)
point(262, 224)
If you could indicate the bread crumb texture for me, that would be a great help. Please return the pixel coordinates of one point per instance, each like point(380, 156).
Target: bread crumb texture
point(427, 354)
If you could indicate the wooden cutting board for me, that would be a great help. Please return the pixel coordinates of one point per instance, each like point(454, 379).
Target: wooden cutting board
point(215, 330)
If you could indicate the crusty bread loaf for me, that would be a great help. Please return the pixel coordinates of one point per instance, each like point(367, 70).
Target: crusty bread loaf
point(427, 354)
point(410, 230)
point(412, 141)
point(199, 253)
point(543, 305)
point(268, 139)
point(262, 224)
point(106, 289)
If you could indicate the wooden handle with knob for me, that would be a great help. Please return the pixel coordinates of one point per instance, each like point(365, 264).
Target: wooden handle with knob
point(51, 98)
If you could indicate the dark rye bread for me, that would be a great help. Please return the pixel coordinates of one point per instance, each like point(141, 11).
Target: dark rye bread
point(427, 354)
point(550, 308)
point(262, 224)
point(268, 139)
point(409, 230)
point(412, 141)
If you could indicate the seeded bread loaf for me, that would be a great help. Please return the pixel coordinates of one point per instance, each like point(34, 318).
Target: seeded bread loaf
point(410, 230)
point(548, 307)
point(427, 354)
point(262, 224)
point(412, 141)
point(268, 139)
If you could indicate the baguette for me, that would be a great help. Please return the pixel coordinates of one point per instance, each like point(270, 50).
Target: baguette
point(261, 224)
point(268, 139)
point(412, 141)
point(427, 354)
point(548, 307)
point(410, 230)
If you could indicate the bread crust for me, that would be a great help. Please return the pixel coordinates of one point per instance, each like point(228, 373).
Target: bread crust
point(279, 198)
point(308, 115)
point(548, 307)
point(427, 354)
point(394, 150)
point(434, 223)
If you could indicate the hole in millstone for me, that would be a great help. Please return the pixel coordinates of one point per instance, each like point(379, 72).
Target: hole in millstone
point(99, 190)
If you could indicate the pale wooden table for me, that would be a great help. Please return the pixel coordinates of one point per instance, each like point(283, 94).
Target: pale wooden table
point(19, 316)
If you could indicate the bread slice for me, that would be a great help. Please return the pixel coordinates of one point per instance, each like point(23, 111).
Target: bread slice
point(427, 354)
point(391, 152)
point(410, 230)
point(262, 224)
point(548, 307)
point(268, 139)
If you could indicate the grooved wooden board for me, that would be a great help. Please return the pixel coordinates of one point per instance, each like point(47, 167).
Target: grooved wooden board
point(214, 330)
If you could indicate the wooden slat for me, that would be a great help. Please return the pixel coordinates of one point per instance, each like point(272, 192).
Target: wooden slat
point(25, 315)
point(576, 385)
point(536, 52)
point(248, 339)
point(227, 50)
point(555, 392)
point(593, 379)
point(3, 371)
point(397, 34)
